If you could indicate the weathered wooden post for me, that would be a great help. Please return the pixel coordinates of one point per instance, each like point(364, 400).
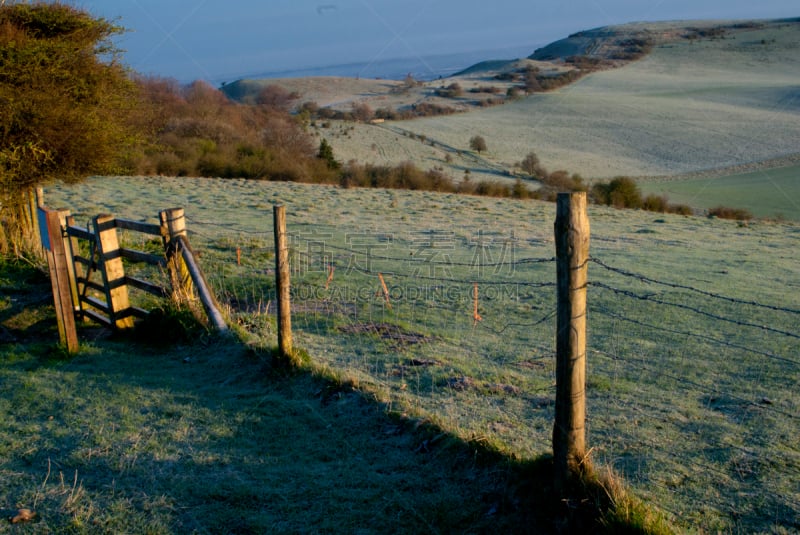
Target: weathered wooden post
point(113, 271)
point(572, 255)
point(283, 285)
point(207, 298)
point(71, 248)
point(52, 237)
point(173, 221)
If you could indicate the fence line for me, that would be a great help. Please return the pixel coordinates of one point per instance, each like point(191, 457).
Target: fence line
point(643, 278)
point(651, 298)
point(644, 356)
point(705, 337)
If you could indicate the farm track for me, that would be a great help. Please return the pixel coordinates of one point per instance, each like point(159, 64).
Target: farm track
point(479, 163)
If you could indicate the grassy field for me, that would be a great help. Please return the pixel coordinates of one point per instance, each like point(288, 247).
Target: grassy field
point(694, 355)
point(771, 193)
point(686, 107)
point(202, 437)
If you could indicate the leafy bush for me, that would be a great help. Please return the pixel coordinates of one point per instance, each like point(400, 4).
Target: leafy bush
point(67, 107)
point(621, 192)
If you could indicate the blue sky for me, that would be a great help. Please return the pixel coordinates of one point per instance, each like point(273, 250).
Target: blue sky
point(222, 40)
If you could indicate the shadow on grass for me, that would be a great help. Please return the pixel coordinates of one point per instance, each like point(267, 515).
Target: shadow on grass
point(208, 437)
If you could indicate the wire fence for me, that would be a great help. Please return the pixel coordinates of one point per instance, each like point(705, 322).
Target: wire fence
point(693, 393)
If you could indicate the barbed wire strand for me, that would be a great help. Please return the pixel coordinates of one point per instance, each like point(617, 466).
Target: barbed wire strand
point(705, 293)
point(603, 310)
point(651, 298)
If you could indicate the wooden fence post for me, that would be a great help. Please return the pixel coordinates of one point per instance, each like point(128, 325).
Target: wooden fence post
point(53, 243)
point(572, 254)
point(70, 248)
point(113, 271)
point(283, 285)
point(207, 298)
point(174, 222)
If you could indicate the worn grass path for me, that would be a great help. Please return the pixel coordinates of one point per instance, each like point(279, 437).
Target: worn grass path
point(205, 437)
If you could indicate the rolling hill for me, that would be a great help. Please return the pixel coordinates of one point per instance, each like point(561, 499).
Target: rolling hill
point(708, 97)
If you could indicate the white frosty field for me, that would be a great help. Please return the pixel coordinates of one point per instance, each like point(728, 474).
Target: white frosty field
point(686, 107)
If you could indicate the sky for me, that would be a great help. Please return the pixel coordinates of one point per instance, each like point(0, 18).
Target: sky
point(223, 40)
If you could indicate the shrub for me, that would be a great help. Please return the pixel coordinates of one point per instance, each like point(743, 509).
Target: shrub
point(726, 212)
point(68, 109)
point(362, 112)
point(491, 89)
point(199, 131)
point(276, 97)
point(520, 190)
point(453, 90)
point(681, 209)
point(325, 154)
point(426, 109)
point(530, 164)
point(621, 192)
point(655, 203)
point(559, 181)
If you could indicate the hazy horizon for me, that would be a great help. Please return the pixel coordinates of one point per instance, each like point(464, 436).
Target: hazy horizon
point(201, 39)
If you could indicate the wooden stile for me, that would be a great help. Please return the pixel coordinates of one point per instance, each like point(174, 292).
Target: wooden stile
point(113, 271)
point(71, 271)
point(173, 223)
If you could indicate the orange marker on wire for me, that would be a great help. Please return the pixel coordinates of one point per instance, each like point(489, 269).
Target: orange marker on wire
point(385, 291)
point(330, 277)
point(475, 316)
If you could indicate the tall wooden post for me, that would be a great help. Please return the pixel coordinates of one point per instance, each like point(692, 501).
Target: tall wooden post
point(174, 223)
point(51, 234)
point(572, 253)
point(71, 248)
point(283, 285)
point(113, 271)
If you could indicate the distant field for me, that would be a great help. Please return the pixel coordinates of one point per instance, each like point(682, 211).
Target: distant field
point(694, 354)
point(772, 193)
point(686, 107)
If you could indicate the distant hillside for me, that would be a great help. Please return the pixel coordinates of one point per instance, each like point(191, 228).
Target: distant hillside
point(631, 41)
point(709, 96)
point(663, 99)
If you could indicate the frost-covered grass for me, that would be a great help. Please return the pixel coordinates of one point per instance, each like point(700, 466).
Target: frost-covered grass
point(692, 394)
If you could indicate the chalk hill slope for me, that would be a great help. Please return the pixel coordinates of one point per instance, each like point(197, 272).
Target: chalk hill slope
point(705, 96)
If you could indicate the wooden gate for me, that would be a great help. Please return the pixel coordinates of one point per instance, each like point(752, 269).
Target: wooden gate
point(88, 273)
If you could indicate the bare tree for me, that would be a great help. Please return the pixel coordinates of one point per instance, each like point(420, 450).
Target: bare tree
point(276, 97)
point(478, 144)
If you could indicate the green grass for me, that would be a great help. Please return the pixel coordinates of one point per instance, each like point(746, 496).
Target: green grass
point(206, 438)
point(697, 413)
point(771, 193)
